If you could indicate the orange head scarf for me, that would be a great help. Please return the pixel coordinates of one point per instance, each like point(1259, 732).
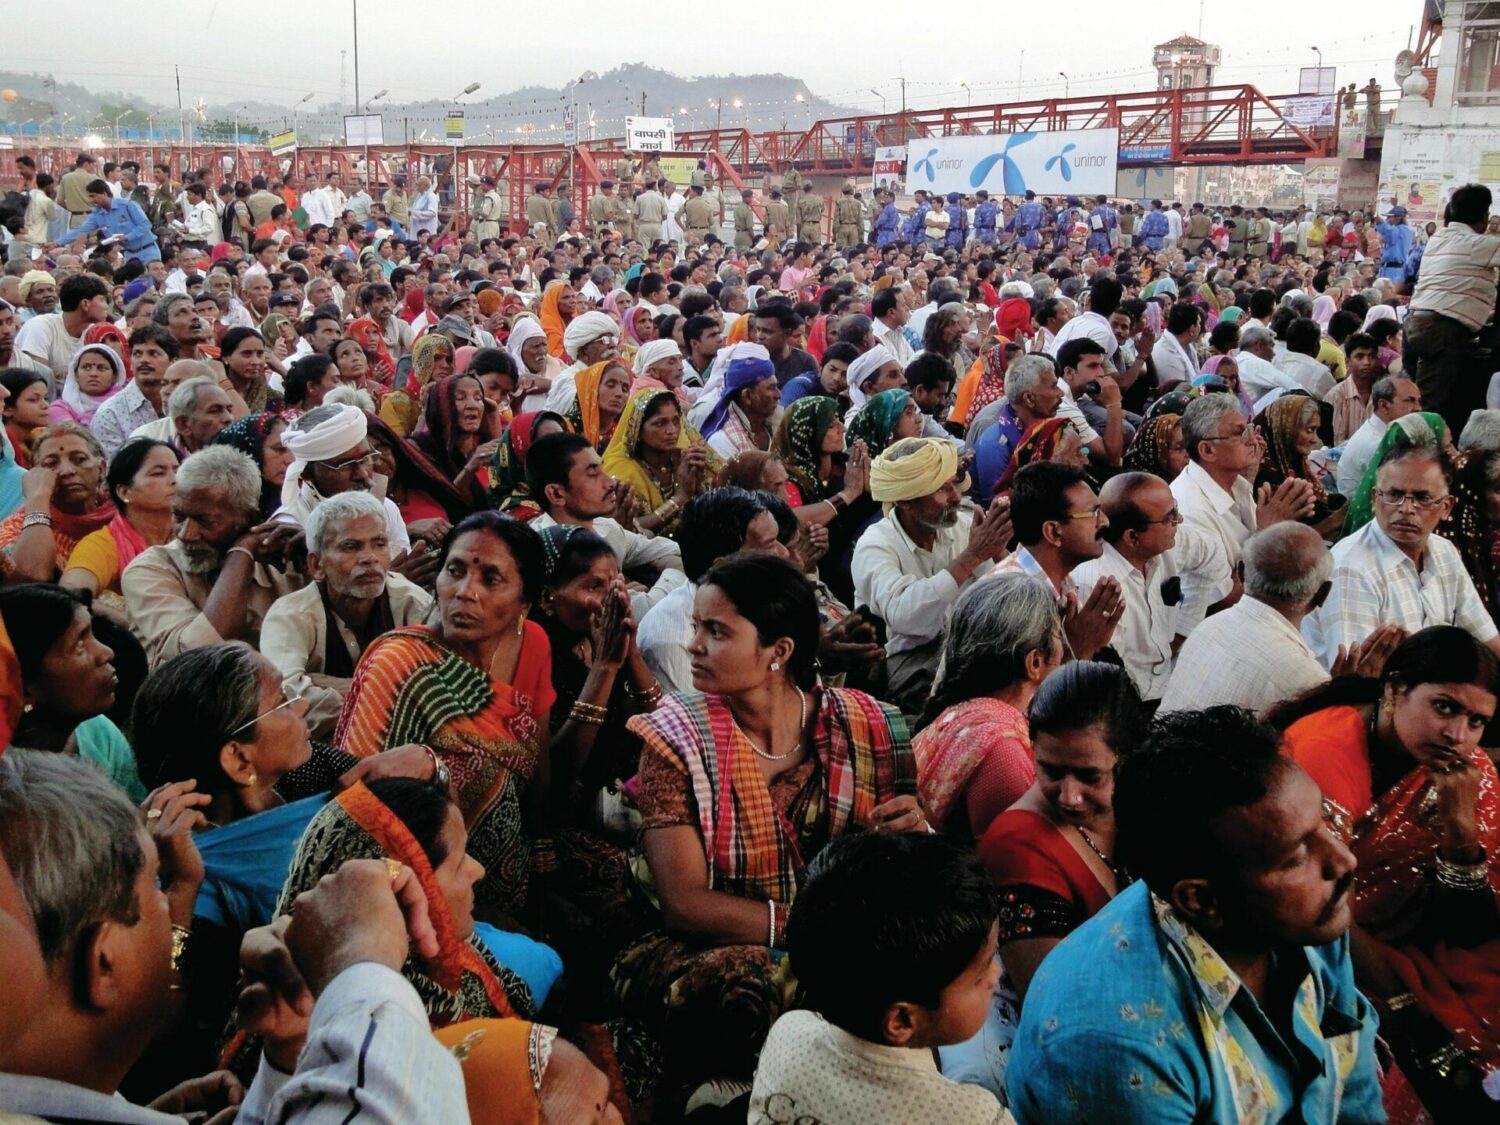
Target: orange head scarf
point(551, 317)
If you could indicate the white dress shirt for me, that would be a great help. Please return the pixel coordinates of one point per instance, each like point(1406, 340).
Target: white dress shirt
point(634, 550)
point(1359, 451)
point(1259, 376)
point(1375, 583)
point(1228, 517)
point(908, 587)
point(1092, 326)
point(202, 222)
point(1173, 360)
point(118, 416)
point(663, 636)
point(892, 338)
point(1248, 656)
point(318, 206)
point(1312, 376)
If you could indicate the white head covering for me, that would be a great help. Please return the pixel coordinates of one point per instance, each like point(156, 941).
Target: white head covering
point(1378, 312)
point(584, 330)
point(84, 405)
point(323, 441)
point(862, 368)
point(713, 388)
point(653, 352)
point(525, 328)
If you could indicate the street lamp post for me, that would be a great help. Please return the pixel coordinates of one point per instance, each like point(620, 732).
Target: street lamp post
point(122, 117)
point(1319, 53)
point(968, 94)
point(467, 90)
point(1065, 85)
point(365, 132)
point(884, 110)
point(303, 102)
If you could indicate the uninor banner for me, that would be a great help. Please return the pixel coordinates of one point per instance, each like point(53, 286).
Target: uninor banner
point(1070, 162)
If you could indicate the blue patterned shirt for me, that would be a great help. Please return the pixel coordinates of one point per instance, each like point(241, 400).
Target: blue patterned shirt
point(1135, 1018)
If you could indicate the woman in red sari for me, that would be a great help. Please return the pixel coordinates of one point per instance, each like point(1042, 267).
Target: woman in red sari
point(1407, 785)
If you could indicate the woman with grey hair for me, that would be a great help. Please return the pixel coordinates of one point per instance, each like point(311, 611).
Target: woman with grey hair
point(974, 756)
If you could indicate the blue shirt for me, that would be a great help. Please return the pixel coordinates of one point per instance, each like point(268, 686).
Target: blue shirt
point(1153, 229)
point(124, 220)
point(245, 864)
point(887, 225)
point(1163, 1032)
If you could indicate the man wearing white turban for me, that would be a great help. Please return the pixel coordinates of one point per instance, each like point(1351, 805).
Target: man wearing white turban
point(590, 338)
point(537, 368)
point(658, 363)
point(911, 566)
point(332, 454)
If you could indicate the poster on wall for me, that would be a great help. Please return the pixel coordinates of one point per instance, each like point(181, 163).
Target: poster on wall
point(889, 168)
point(1423, 199)
point(1352, 138)
point(1069, 162)
point(1153, 181)
point(1320, 185)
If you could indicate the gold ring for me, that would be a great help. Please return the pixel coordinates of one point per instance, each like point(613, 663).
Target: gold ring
point(393, 868)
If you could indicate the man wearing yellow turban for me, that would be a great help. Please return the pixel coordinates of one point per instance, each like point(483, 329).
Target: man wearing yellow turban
point(911, 566)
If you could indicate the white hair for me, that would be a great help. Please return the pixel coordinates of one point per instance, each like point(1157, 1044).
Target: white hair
point(1024, 375)
point(345, 395)
point(184, 398)
point(1200, 421)
point(222, 468)
point(323, 521)
point(1481, 431)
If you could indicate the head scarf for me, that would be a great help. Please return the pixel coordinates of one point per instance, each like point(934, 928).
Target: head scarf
point(372, 342)
point(424, 354)
point(1378, 312)
point(651, 352)
point(462, 358)
point(248, 435)
point(1211, 367)
point(876, 420)
point(504, 1063)
point(1013, 318)
point(632, 334)
point(929, 464)
point(554, 541)
point(437, 438)
point(863, 368)
point(464, 981)
point(524, 329)
point(1231, 315)
point(1323, 309)
point(83, 405)
point(742, 372)
point(584, 414)
point(414, 304)
point(798, 442)
point(990, 386)
point(31, 279)
point(1174, 401)
point(1468, 526)
point(103, 333)
point(490, 301)
point(611, 305)
point(1421, 428)
point(508, 488)
point(1038, 443)
point(622, 460)
point(1279, 424)
point(552, 319)
point(1148, 452)
point(817, 339)
point(585, 329)
point(328, 439)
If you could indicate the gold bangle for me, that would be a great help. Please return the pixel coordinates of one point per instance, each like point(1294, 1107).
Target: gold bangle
point(180, 935)
point(581, 713)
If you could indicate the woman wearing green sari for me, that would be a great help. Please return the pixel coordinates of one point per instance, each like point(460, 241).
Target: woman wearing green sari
point(886, 418)
point(1421, 428)
point(658, 453)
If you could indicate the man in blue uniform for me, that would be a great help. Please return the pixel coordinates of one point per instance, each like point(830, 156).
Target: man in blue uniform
point(1395, 244)
point(958, 222)
point(984, 218)
point(887, 226)
point(1104, 220)
point(1154, 226)
point(1029, 220)
point(912, 230)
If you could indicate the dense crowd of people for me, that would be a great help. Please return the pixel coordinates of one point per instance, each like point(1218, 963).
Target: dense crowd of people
point(1022, 659)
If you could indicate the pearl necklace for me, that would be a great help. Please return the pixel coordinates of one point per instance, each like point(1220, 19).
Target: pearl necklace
point(797, 745)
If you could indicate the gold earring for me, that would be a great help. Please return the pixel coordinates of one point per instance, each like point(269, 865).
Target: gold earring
point(253, 779)
point(520, 624)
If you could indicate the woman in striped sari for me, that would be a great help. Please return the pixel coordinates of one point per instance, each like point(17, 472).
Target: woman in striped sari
point(740, 786)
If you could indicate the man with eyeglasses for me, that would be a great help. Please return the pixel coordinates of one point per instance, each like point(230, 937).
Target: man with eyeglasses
point(1146, 553)
point(332, 454)
point(1394, 570)
point(1214, 494)
point(1060, 525)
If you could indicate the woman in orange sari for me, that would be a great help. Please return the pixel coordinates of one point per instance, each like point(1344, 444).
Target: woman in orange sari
point(1407, 786)
point(559, 305)
point(476, 688)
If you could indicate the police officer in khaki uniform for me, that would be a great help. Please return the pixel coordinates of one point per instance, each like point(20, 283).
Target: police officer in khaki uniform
point(846, 217)
point(539, 211)
point(744, 221)
point(487, 211)
point(810, 215)
point(791, 183)
point(714, 198)
point(652, 173)
point(650, 213)
point(72, 188)
point(602, 209)
point(697, 216)
point(622, 211)
point(872, 212)
point(778, 218)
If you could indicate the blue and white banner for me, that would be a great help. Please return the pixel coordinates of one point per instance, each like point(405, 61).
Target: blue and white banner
point(1070, 162)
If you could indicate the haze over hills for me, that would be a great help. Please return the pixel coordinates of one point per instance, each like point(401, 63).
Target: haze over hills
point(766, 101)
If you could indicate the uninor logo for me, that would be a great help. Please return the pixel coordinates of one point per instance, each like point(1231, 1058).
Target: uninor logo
point(925, 165)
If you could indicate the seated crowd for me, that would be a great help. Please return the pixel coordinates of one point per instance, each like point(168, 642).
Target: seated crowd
point(520, 678)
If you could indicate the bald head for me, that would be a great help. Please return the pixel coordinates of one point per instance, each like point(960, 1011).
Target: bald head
point(1286, 565)
point(1133, 502)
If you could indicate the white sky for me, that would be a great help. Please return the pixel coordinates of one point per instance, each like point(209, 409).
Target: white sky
point(278, 50)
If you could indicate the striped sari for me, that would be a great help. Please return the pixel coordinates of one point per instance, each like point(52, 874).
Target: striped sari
point(408, 688)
